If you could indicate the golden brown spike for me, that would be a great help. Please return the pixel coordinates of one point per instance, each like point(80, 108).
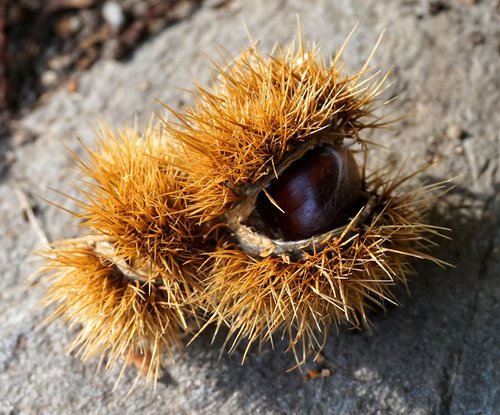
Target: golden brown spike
point(138, 198)
point(262, 109)
point(118, 316)
point(335, 280)
point(179, 235)
point(133, 283)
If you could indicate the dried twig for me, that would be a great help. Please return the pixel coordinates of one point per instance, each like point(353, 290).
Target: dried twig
point(30, 215)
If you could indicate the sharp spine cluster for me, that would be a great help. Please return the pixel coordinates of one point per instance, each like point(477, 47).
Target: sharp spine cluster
point(175, 244)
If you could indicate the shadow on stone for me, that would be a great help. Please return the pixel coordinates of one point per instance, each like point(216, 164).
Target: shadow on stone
point(409, 356)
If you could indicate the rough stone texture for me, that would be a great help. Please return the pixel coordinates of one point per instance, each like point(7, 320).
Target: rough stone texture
point(437, 354)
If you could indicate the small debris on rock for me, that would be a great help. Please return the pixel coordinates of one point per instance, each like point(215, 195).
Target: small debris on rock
point(49, 79)
point(145, 85)
point(9, 157)
point(142, 362)
point(455, 132)
point(67, 26)
point(72, 85)
point(318, 374)
point(113, 14)
point(477, 38)
point(436, 7)
point(21, 137)
point(431, 140)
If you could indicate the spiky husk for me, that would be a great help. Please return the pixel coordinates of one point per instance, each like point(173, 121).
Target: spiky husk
point(133, 283)
point(117, 316)
point(137, 197)
point(300, 294)
point(264, 113)
point(169, 204)
point(261, 110)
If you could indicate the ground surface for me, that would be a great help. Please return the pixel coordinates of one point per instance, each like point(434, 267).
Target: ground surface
point(437, 354)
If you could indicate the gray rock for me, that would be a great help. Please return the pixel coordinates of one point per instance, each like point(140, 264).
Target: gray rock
point(437, 354)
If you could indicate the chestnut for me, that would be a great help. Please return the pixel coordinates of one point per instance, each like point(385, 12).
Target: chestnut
point(316, 193)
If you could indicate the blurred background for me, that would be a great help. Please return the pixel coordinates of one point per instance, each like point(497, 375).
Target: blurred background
point(46, 44)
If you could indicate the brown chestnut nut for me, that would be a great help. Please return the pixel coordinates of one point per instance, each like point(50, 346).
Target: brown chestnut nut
point(317, 193)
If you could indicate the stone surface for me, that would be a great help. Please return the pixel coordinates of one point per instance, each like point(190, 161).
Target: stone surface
point(437, 354)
